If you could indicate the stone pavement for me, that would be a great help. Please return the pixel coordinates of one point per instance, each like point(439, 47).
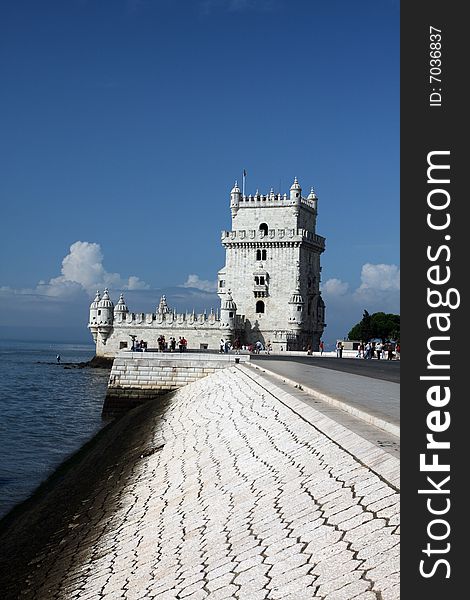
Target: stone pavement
point(375, 401)
point(239, 497)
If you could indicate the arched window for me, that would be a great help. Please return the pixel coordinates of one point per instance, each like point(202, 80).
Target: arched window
point(257, 280)
point(260, 306)
point(258, 255)
point(263, 254)
point(261, 280)
point(264, 228)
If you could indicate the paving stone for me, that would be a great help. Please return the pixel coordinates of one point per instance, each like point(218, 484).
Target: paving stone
point(245, 500)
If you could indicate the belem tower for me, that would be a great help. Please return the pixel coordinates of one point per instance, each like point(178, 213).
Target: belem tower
point(269, 289)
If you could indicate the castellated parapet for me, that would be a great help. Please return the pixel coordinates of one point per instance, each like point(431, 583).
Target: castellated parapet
point(269, 289)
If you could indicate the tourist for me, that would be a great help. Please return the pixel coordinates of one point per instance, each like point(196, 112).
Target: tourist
point(378, 349)
point(269, 348)
point(309, 350)
point(222, 345)
point(226, 346)
point(339, 349)
point(322, 347)
point(360, 350)
point(390, 351)
point(397, 351)
point(236, 345)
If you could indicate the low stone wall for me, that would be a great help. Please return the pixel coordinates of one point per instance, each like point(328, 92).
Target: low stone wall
point(140, 376)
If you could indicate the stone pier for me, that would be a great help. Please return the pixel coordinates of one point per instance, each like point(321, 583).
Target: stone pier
point(140, 376)
point(228, 488)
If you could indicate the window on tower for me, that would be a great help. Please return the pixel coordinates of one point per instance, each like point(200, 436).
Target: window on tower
point(263, 254)
point(258, 255)
point(260, 306)
point(264, 228)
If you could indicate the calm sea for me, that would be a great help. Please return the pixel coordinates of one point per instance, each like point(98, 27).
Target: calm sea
point(47, 411)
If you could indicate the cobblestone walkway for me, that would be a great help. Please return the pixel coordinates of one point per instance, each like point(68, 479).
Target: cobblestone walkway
point(240, 498)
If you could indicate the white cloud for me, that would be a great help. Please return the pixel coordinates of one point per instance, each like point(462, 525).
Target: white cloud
point(380, 277)
point(83, 267)
point(82, 270)
point(193, 281)
point(379, 291)
point(335, 287)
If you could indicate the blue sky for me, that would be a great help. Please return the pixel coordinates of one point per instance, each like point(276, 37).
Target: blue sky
point(124, 124)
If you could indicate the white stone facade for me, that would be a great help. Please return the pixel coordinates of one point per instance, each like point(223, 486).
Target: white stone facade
point(269, 287)
point(273, 267)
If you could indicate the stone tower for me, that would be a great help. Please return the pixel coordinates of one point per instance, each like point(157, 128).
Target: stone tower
point(272, 269)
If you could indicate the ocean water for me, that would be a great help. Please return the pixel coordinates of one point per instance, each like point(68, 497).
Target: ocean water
point(47, 412)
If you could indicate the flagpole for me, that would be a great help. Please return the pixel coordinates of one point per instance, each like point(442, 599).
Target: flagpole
point(243, 183)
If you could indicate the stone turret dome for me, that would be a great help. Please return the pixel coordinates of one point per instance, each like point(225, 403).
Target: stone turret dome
point(228, 303)
point(312, 195)
point(296, 297)
point(96, 301)
point(106, 301)
point(235, 189)
point(121, 306)
point(295, 185)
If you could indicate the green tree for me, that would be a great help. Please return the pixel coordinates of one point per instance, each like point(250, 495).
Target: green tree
point(385, 326)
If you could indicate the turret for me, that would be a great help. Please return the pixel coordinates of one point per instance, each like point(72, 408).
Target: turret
point(296, 309)
point(120, 310)
point(228, 310)
point(93, 319)
point(295, 191)
point(313, 197)
point(105, 316)
point(162, 308)
point(296, 304)
point(235, 196)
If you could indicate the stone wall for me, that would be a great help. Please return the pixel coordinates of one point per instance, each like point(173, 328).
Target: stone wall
point(197, 336)
point(139, 376)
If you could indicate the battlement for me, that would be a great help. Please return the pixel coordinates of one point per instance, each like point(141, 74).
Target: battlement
point(273, 199)
point(167, 319)
point(273, 235)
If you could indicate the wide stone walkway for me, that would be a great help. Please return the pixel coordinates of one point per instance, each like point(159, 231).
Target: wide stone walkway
point(239, 497)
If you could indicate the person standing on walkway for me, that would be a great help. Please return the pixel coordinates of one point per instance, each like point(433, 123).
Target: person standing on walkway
point(378, 349)
point(322, 347)
point(339, 349)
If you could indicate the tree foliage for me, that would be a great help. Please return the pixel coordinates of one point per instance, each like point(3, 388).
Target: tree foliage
point(381, 325)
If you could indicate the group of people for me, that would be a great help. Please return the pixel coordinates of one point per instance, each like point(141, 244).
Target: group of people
point(379, 350)
point(170, 345)
point(225, 346)
point(139, 346)
point(163, 345)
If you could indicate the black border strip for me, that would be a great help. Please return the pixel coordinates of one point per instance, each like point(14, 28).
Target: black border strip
point(430, 124)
